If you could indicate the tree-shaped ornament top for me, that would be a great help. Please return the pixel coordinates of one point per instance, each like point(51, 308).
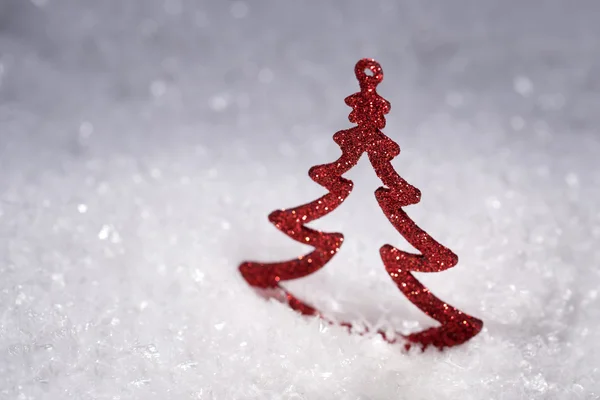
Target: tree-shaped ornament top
point(368, 112)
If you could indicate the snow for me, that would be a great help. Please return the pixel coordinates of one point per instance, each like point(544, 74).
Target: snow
point(143, 144)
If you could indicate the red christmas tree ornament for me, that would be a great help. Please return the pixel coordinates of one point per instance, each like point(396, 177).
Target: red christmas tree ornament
point(368, 112)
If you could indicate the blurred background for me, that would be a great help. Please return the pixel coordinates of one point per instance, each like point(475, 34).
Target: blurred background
point(225, 62)
point(144, 142)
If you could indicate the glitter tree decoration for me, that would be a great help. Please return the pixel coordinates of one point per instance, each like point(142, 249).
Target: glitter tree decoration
point(368, 113)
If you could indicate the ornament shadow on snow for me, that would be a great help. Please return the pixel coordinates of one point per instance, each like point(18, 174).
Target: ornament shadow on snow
point(368, 112)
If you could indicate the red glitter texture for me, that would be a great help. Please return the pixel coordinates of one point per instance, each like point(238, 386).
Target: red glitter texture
point(368, 112)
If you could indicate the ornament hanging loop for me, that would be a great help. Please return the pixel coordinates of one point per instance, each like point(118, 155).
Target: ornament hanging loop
point(368, 82)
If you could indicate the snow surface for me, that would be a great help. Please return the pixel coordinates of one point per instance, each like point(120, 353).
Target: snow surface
point(143, 144)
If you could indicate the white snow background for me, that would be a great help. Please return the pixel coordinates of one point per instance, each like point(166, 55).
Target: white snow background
point(143, 144)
